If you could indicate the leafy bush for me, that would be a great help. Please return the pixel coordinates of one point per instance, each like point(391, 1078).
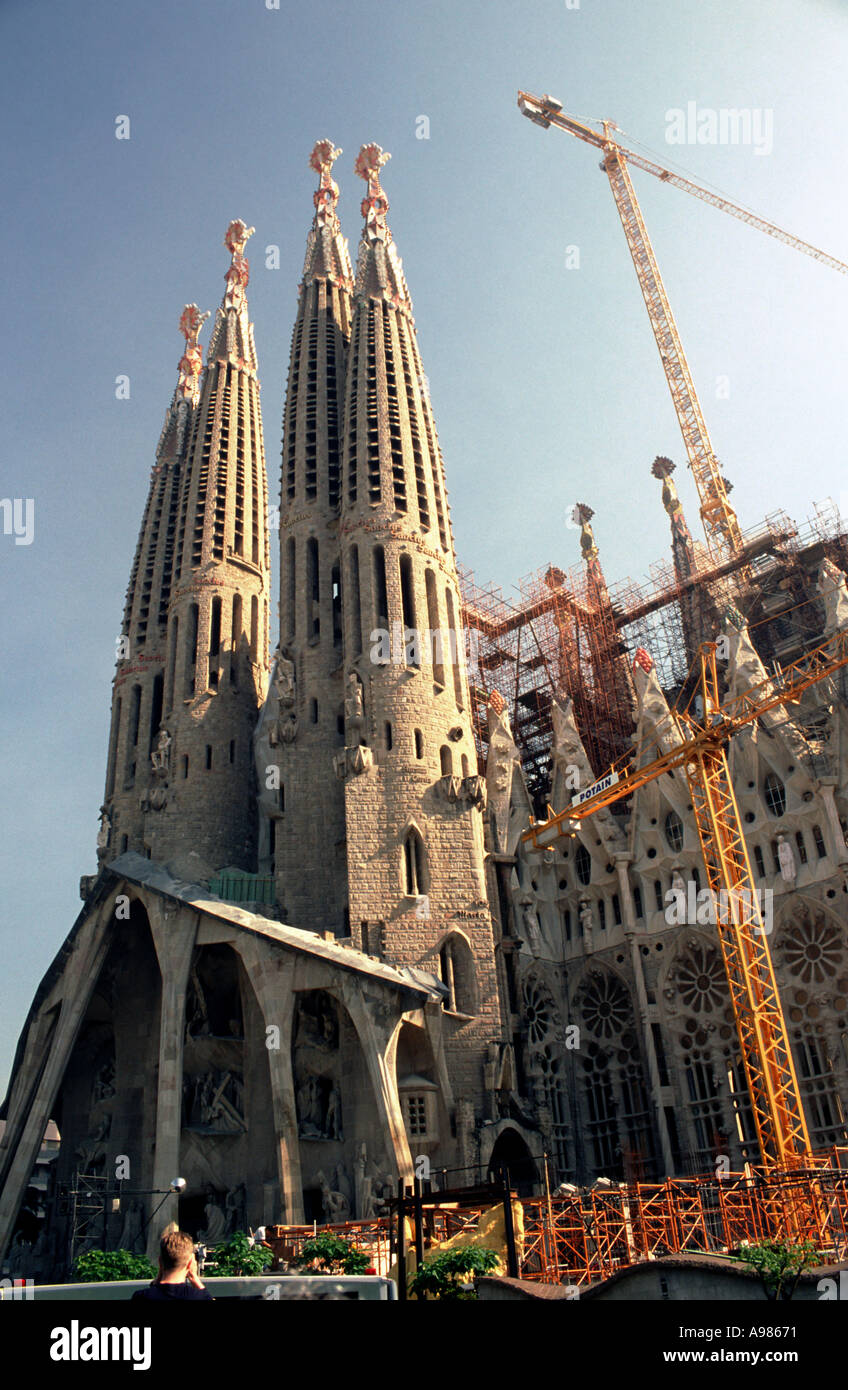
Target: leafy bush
point(449, 1275)
point(102, 1266)
point(780, 1264)
point(236, 1256)
point(329, 1254)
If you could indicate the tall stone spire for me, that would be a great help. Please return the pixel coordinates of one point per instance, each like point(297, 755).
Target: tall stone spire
point(413, 796)
point(139, 680)
point(302, 826)
point(697, 610)
point(200, 816)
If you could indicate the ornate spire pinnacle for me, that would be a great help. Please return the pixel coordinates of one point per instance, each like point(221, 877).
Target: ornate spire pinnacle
point(326, 196)
point(663, 468)
point(375, 204)
point(239, 272)
point(583, 516)
point(191, 362)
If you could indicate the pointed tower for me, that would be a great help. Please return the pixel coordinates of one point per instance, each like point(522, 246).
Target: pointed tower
point(303, 827)
point(698, 613)
point(202, 817)
point(412, 793)
point(137, 692)
point(609, 728)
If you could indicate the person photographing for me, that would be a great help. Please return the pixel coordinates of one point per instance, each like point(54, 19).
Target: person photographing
point(179, 1280)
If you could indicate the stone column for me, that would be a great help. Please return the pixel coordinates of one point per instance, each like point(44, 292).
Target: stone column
point(622, 863)
point(827, 789)
point(271, 975)
point(174, 930)
point(378, 1042)
point(76, 987)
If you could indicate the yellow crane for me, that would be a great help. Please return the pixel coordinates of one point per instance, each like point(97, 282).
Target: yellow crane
point(705, 726)
point(721, 526)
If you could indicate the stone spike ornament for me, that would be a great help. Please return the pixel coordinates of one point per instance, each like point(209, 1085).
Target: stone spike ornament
point(238, 274)
point(663, 468)
point(191, 362)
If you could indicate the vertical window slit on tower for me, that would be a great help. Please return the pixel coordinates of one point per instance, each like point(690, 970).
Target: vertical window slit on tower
point(453, 656)
point(235, 639)
point(435, 637)
point(313, 590)
point(238, 526)
point(411, 636)
point(254, 628)
point(311, 433)
point(221, 469)
point(214, 642)
point(290, 582)
point(155, 711)
point(191, 649)
point(113, 749)
point(332, 411)
point(290, 422)
point(336, 580)
point(373, 450)
point(352, 414)
point(355, 603)
point(414, 430)
point(381, 591)
point(393, 403)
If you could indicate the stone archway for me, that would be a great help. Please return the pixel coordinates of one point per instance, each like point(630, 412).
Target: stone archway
point(510, 1150)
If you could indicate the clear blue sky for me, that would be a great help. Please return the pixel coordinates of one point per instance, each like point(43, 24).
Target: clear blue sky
point(545, 381)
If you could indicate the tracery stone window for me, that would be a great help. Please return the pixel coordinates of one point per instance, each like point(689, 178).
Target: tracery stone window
point(774, 794)
point(583, 865)
point(700, 979)
point(604, 1005)
point(674, 831)
point(812, 953)
point(618, 1121)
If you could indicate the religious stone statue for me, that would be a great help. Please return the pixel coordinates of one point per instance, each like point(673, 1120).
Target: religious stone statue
point(333, 1118)
point(284, 679)
point(354, 706)
point(586, 918)
point(161, 755)
point(335, 1205)
point(786, 859)
point(215, 1220)
point(105, 830)
point(530, 920)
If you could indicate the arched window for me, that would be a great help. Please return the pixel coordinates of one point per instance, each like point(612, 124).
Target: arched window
point(419, 744)
point(456, 969)
point(446, 759)
point(583, 865)
point(774, 794)
point(674, 831)
point(414, 865)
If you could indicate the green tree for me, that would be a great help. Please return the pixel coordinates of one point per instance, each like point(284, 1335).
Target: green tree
point(781, 1264)
point(329, 1254)
point(105, 1266)
point(236, 1256)
point(450, 1274)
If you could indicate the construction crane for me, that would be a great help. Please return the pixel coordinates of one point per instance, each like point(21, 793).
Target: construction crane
point(721, 526)
point(704, 727)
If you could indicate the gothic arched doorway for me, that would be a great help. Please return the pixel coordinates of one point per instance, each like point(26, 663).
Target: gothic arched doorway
point(511, 1152)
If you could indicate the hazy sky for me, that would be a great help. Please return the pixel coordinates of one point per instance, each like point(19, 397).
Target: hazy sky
point(545, 379)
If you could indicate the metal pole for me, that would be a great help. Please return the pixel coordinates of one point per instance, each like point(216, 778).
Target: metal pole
point(401, 1247)
point(419, 1224)
point(509, 1228)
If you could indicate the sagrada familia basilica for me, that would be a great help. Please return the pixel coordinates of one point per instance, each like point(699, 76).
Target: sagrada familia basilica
point(317, 948)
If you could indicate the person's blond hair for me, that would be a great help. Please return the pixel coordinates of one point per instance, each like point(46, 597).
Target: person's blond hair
point(174, 1250)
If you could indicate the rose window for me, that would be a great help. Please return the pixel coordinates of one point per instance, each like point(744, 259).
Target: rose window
point(538, 1011)
point(700, 979)
point(813, 950)
point(605, 1006)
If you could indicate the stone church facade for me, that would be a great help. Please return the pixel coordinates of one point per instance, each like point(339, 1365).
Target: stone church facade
point(316, 948)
